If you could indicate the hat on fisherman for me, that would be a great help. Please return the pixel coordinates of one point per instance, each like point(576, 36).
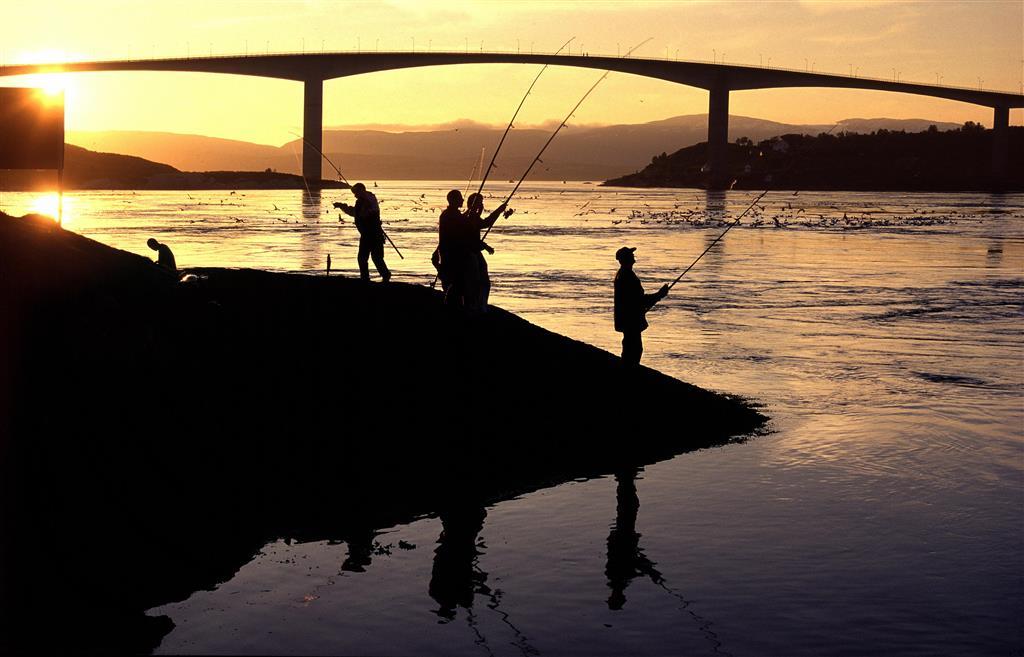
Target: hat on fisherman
point(623, 252)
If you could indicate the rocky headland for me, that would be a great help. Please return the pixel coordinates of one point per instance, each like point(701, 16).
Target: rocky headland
point(157, 432)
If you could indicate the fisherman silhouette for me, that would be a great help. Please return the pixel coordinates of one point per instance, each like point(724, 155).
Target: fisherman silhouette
point(453, 252)
point(455, 578)
point(164, 258)
point(478, 289)
point(366, 213)
point(631, 306)
point(360, 550)
point(626, 560)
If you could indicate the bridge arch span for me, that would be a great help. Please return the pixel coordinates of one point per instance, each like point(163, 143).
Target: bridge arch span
point(312, 69)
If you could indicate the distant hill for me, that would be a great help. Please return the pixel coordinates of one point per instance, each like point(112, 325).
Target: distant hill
point(451, 152)
point(934, 160)
point(85, 169)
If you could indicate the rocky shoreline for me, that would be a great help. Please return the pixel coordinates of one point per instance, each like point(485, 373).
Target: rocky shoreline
point(159, 432)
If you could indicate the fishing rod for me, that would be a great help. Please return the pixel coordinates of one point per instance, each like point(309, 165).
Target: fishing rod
point(760, 196)
point(342, 176)
point(490, 166)
point(558, 129)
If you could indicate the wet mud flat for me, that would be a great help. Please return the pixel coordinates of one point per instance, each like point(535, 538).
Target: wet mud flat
point(157, 433)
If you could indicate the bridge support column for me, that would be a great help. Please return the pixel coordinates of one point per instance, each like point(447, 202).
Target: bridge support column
point(718, 137)
point(312, 131)
point(1000, 145)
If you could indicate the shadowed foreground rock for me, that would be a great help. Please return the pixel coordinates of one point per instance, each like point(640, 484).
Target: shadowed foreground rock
point(157, 433)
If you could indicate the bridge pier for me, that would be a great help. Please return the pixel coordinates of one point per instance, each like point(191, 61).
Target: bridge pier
point(718, 137)
point(1000, 144)
point(312, 131)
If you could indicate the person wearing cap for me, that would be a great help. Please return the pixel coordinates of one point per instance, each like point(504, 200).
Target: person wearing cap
point(366, 213)
point(631, 306)
point(164, 257)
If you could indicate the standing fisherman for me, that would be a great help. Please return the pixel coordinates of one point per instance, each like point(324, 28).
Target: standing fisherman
point(479, 291)
point(631, 304)
point(452, 250)
point(366, 213)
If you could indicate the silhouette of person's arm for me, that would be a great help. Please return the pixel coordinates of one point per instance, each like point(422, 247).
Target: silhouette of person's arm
point(650, 299)
point(493, 216)
point(346, 208)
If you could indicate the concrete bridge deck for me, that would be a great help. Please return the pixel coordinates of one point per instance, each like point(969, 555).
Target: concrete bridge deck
point(719, 79)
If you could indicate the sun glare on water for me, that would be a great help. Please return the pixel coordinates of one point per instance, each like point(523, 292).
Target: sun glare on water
point(49, 204)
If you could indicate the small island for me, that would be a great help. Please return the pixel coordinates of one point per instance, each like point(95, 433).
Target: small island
point(935, 161)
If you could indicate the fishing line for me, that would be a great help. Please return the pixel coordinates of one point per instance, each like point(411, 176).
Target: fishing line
point(323, 155)
point(559, 129)
point(298, 163)
point(477, 166)
point(490, 166)
point(342, 176)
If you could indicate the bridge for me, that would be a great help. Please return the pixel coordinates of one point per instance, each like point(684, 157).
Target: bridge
point(718, 79)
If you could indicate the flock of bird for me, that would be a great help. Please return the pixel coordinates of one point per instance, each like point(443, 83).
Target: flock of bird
point(770, 214)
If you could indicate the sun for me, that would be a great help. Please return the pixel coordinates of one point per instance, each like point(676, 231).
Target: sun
point(54, 87)
point(51, 87)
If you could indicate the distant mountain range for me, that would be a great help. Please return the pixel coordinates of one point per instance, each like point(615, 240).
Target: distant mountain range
point(451, 153)
point(85, 169)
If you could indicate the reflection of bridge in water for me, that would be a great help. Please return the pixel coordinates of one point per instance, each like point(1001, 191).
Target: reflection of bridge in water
point(717, 79)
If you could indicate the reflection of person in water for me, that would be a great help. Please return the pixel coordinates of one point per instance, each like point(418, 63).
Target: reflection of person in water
point(455, 579)
point(360, 550)
point(626, 560)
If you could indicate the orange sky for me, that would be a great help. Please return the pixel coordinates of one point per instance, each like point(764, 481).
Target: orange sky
point(968, 44)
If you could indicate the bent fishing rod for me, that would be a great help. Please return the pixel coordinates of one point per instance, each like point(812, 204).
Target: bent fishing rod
point(343, 179)
point(730, 226)
point(558, 129)
point(483, 179)
point(490, 166)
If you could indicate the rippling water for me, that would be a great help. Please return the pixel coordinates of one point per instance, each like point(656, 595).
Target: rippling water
point(883, 515)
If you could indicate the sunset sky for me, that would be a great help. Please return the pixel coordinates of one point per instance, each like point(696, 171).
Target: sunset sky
point(959, 43)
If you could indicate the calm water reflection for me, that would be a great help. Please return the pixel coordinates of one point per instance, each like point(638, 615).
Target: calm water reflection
point(883, 333)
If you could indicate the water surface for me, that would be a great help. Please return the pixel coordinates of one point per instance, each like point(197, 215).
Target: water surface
point(884, 514)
